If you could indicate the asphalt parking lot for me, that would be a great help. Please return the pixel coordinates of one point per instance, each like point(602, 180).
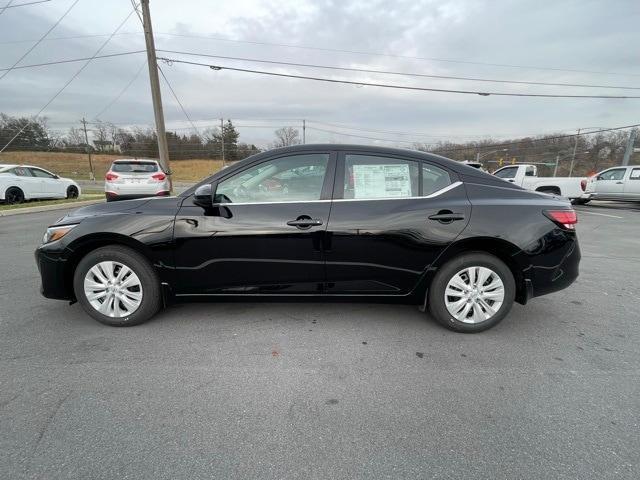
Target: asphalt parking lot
point(326, 390)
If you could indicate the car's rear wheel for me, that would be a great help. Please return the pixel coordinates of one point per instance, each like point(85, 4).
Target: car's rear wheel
point(72, 192)
point(13, 196)
point(472, 292)
point(117, 286)
point(580, 201)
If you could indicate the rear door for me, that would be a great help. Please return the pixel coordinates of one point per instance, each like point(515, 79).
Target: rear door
point(30, 185)
point(610, 183)
point(390, 219)
point(632, 185)
point(264, 236)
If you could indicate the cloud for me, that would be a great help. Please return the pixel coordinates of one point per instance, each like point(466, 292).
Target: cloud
point(566, 35)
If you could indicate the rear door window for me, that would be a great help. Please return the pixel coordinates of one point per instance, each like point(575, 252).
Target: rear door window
point(134, 167)
point(374, 177)
point(635, 174)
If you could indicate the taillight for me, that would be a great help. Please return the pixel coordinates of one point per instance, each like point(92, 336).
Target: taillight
point(583, 185)
point(159, 176)
point(566, 218)
point(110, 176)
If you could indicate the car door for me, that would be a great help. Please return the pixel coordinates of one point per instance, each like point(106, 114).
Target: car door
point(50, 186)
point(632, 184)
point(260, 237)
point(610, 183)
point(390, 219)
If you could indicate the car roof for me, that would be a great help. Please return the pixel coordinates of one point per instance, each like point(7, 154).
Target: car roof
point(371, 149)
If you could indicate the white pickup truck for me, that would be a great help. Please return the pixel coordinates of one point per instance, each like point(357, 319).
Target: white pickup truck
point(527, 177)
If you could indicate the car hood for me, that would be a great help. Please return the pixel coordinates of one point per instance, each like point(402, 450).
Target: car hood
point(123, 206)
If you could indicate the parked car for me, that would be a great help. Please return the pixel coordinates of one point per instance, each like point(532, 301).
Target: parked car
point(527, 177)
point(384, 225)
point(617, 183)
point(132, 178)
point(26, 182)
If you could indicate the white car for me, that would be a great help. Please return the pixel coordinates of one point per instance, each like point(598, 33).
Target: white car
point(526, 176)
point(26, 182)
point(617, 183)
point(133, 178)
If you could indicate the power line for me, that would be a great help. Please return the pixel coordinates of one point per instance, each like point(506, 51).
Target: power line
point(404, 74)
point(393, 86)
point(178, 100)
point(557, 137)
point(337, 50)
point(8, 5)
point(73, 77)
point(72, 60)
point(122, 92)
point(356, 52)
point(40, 39)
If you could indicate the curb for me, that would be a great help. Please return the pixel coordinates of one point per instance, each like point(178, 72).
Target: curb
point(46, 208)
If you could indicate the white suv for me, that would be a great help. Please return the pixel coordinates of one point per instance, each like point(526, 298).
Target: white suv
point(131, 178)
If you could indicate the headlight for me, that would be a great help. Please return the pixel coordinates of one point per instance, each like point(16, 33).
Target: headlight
point(56, 233)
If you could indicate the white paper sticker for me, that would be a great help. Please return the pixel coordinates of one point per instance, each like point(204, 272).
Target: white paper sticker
point(381, 181)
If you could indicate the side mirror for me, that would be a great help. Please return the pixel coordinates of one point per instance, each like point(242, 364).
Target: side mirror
point(203, 196)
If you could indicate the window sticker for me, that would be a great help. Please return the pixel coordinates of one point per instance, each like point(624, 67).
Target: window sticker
point(381, 181)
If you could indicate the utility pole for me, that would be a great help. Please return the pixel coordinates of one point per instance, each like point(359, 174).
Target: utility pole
point(163, 149)
point(630, 145)
point(86, 140)
point(304, 131)
point(573, 155)
point(222, 138)
point(555, 169)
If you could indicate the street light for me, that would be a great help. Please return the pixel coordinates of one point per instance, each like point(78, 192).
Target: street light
point(572, 155)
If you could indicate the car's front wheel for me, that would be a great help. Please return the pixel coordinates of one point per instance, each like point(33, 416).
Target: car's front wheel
point(72, 192)
point(472, 292)
point(117, 286)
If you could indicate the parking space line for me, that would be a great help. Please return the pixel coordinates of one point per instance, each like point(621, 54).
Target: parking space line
point(601, 214)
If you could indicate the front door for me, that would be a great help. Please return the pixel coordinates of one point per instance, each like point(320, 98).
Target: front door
point(610, 184)
point(390, 220)
point(263, 236)
point(49, 185)
point(632, 185)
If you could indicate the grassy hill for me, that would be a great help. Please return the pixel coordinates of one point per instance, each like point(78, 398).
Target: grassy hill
point(76, 165)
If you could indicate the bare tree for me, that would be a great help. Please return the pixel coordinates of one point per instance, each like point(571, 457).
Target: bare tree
point(101, 136)
point(286, 136)
point(75, 137)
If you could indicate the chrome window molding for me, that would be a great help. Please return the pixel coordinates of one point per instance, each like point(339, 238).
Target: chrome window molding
point(432, 195)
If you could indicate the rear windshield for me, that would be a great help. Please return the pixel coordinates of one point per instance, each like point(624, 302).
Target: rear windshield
point(134, 167)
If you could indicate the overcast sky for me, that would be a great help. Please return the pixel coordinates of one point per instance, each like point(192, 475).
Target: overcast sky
point(558, 41)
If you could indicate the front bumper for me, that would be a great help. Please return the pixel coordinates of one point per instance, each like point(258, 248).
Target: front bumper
point(51, 266)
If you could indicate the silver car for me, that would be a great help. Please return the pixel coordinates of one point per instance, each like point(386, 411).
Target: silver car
point(617, 183)
point(132, 178)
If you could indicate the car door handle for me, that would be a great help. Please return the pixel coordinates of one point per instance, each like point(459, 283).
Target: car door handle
point(619, 183)
point(304, 222)
point(446, 217)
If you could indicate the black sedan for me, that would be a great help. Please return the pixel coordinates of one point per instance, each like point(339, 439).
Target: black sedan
point(355, 223)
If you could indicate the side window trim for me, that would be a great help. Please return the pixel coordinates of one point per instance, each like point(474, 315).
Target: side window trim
point(338, 186)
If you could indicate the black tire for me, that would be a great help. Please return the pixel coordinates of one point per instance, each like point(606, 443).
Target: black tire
point(437, 306)
point(72, 191)
point(151, 298)
point(580, 201)
point(13, 196)
point(550, 191)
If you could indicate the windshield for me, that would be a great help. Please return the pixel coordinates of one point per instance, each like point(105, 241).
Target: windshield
point(134, 167)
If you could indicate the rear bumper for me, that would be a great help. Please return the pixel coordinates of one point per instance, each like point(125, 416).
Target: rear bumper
point(556, 271)
point(132, 196)
point(52, 273)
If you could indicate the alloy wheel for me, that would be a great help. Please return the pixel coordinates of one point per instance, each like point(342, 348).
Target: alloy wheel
point(113, 289)
point(474, 294)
